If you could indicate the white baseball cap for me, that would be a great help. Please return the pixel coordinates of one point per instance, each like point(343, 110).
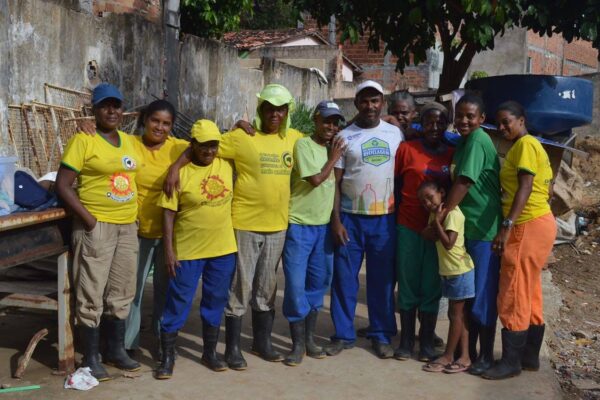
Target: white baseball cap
point(369, 84)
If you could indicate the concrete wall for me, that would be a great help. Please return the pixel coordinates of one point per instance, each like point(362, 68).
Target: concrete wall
point(52, 42)
point(509, 55)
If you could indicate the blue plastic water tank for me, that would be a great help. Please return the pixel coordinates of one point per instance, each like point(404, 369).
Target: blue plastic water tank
point(553, 103)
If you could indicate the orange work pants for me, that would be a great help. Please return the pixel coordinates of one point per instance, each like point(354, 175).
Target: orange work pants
point(528, 246)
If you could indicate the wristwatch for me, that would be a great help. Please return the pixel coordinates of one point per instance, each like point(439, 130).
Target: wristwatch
point(507, 223)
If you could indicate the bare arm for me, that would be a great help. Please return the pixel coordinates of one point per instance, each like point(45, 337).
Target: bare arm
point(337, 149)
point(340, 235)
point(170, 259)
point(519, 202)
point(457, 193)
point(64, 189)
point(171, 182)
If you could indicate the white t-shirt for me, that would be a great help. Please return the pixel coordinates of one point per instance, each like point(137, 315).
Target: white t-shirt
point(368, 164)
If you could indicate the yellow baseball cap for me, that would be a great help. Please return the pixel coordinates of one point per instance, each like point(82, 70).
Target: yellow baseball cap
point(205, 130)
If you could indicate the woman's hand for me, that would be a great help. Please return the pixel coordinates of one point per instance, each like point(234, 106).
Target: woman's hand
point(245, 126)
point(429, 233)
point(87, 126)
point(171, 263)
point(500, 240)
point(338, 145)
point(90, 224)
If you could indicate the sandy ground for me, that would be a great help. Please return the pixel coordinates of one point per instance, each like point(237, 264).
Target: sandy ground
point(354, 374)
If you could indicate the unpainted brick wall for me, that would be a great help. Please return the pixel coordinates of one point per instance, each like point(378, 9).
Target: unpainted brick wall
point(554, 56)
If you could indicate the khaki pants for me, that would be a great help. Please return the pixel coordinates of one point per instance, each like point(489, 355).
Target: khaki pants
point(104, 271)
point(255, 278)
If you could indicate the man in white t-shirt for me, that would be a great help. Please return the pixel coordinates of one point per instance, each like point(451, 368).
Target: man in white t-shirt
point(363, 224)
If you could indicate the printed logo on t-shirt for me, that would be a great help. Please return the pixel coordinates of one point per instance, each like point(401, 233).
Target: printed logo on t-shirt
point(128, 163)
point(287, 159)
point(375, 152)
point(120, 188)
point(213, 187)
point(276, 164)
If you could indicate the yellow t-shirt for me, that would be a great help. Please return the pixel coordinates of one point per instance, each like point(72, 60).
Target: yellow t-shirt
point(106, 176)
point(203, 227)
point(455, 261)
point(526, 154)
point(263, 165)
point(150, 182)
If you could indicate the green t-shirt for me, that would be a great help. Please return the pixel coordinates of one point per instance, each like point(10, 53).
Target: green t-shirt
point(476, 158)
point(310, 205)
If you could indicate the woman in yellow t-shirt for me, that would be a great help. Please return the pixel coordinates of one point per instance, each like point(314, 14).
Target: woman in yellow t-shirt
point(524, 242)
point(199, 243)
point(104, 240)
point(159, 150)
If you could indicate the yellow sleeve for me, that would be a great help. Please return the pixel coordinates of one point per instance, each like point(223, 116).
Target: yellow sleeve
point(169, 204)
point(454, 221)
point(526, 157)
point(228, 145)
point(74, 154)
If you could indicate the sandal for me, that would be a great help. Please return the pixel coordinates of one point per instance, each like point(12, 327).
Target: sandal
point(435, 366)
point(456, 367)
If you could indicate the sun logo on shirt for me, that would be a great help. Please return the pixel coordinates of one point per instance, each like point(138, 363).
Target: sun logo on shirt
point(120, 187)
point(213, 187)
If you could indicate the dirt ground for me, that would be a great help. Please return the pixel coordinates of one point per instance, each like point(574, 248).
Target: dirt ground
point(574, 338)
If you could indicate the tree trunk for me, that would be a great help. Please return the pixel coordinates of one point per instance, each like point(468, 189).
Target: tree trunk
point(454, 70)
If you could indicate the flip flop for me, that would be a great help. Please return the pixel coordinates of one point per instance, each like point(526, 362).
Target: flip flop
point(435, 366)
point(456, 367)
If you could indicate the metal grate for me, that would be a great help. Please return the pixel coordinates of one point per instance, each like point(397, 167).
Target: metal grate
point(67, 97)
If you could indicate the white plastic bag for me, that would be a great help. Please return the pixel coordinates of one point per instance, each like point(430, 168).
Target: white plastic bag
point(81, 379)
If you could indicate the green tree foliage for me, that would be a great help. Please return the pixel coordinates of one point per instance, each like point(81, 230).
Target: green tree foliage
point(465, 27)
point(212, 18)
point(271, 14)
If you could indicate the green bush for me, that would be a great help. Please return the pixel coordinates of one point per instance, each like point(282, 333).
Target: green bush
point(302, 119)
point(479, 74)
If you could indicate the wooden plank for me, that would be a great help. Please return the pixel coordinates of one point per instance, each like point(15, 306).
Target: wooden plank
point(19, 220)
point(29, 301)
point(66, 351)
point(38, 288)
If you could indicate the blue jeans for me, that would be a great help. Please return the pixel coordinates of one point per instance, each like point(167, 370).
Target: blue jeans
point(218, 273)
point(373, 237)
point(487, 276)
point(308, 267)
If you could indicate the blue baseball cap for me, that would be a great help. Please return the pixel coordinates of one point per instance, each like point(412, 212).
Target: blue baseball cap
point(105, 91)
point(328, 108)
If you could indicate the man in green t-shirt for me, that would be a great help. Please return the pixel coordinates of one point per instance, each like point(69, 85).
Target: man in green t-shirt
point(308, 250)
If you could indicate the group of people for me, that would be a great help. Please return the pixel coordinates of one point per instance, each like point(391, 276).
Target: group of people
point(429, 211)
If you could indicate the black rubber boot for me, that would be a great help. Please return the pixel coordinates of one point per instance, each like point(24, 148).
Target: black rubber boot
point(233, 355)
point(115, 348)
point(513, 345)
point(210, 336)
point(531, 355)
point(298, 333)
point(427, 351)
point(167, 344)
point(474, 329)
point(485, 361)
point(407, 334)
point(312, 350)
point(381, 349)
point(91, 355)
point(336, 346)
point(363, 332)
point(262, 326)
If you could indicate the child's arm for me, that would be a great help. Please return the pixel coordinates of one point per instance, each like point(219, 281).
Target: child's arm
point(335, 152)
point(448, 238)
